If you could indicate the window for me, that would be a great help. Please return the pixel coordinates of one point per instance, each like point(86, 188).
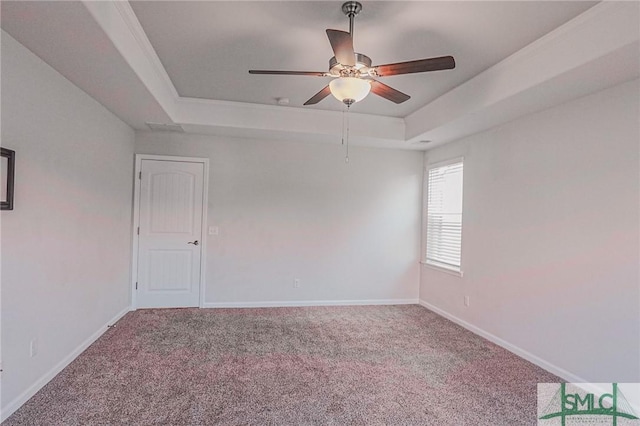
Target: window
point(444, 214)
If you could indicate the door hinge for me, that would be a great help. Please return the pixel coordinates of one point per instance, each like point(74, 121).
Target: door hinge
point(138, 230)
point(136, 285)
point(140, 175)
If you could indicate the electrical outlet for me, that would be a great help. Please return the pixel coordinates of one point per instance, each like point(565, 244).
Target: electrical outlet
point(33, 347)
point(466, 301)
point(296, 283)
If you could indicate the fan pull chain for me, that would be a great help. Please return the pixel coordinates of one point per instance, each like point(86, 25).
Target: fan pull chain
point(342, 126)
point(346, 158)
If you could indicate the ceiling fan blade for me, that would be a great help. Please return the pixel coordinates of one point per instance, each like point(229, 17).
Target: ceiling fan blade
point(319, 96)
point(420, 65)
point(310, 73)
point(342, 45)
point(389, 93)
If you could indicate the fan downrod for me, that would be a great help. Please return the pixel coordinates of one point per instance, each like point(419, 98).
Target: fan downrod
point(351, 9)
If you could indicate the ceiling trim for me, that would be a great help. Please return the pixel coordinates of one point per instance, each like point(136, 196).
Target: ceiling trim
point(129, 17)
point(120, 24)
point(371, 130)
point(602, 30)
point(470, 107)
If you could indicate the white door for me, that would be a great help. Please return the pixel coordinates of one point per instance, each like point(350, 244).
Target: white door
point(169, 245)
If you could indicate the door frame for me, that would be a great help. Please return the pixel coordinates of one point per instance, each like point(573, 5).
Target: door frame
point(136, 220)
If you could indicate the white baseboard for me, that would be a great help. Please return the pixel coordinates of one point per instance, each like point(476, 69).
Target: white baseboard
point(300, 303)
point(596, 388)
point(12, 406)
point(554, 369)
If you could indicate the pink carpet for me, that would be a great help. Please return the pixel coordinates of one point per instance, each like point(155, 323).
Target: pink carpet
point(364, 365)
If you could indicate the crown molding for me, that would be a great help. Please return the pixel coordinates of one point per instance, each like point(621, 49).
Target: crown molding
point(132, 22)
point(526, 81)
point(118, 21)
point(254, 121)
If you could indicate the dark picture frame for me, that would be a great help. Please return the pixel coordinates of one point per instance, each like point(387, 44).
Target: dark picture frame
point(8, 175)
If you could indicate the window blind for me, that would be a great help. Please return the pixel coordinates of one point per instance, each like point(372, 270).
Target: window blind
point(444, 215)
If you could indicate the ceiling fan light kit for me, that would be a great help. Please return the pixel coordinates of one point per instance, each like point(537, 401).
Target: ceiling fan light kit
point(352, 73)
point(349, 90)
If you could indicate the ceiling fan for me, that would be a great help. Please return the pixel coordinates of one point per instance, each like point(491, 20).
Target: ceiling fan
point(352, 73)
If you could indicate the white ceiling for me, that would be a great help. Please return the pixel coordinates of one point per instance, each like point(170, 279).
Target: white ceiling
point(187, 62)
point(207, 47)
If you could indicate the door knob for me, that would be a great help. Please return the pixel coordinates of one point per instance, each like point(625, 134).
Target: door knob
point(195, 243)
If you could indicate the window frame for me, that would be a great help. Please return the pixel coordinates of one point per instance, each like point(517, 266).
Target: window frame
point(443, 267)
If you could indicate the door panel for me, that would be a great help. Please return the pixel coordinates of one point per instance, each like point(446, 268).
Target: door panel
point(169, 254)
point(170, 270)
point(171, 202)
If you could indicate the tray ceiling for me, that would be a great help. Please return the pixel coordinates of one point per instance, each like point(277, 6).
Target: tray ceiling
point(207, 47)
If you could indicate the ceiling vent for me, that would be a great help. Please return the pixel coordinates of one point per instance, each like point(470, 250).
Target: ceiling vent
point(161, 127)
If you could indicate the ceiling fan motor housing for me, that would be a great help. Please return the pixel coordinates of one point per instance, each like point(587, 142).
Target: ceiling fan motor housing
point(362, 67)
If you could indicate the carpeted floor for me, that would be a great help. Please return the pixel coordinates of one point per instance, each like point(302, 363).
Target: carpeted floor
point(364, 365)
